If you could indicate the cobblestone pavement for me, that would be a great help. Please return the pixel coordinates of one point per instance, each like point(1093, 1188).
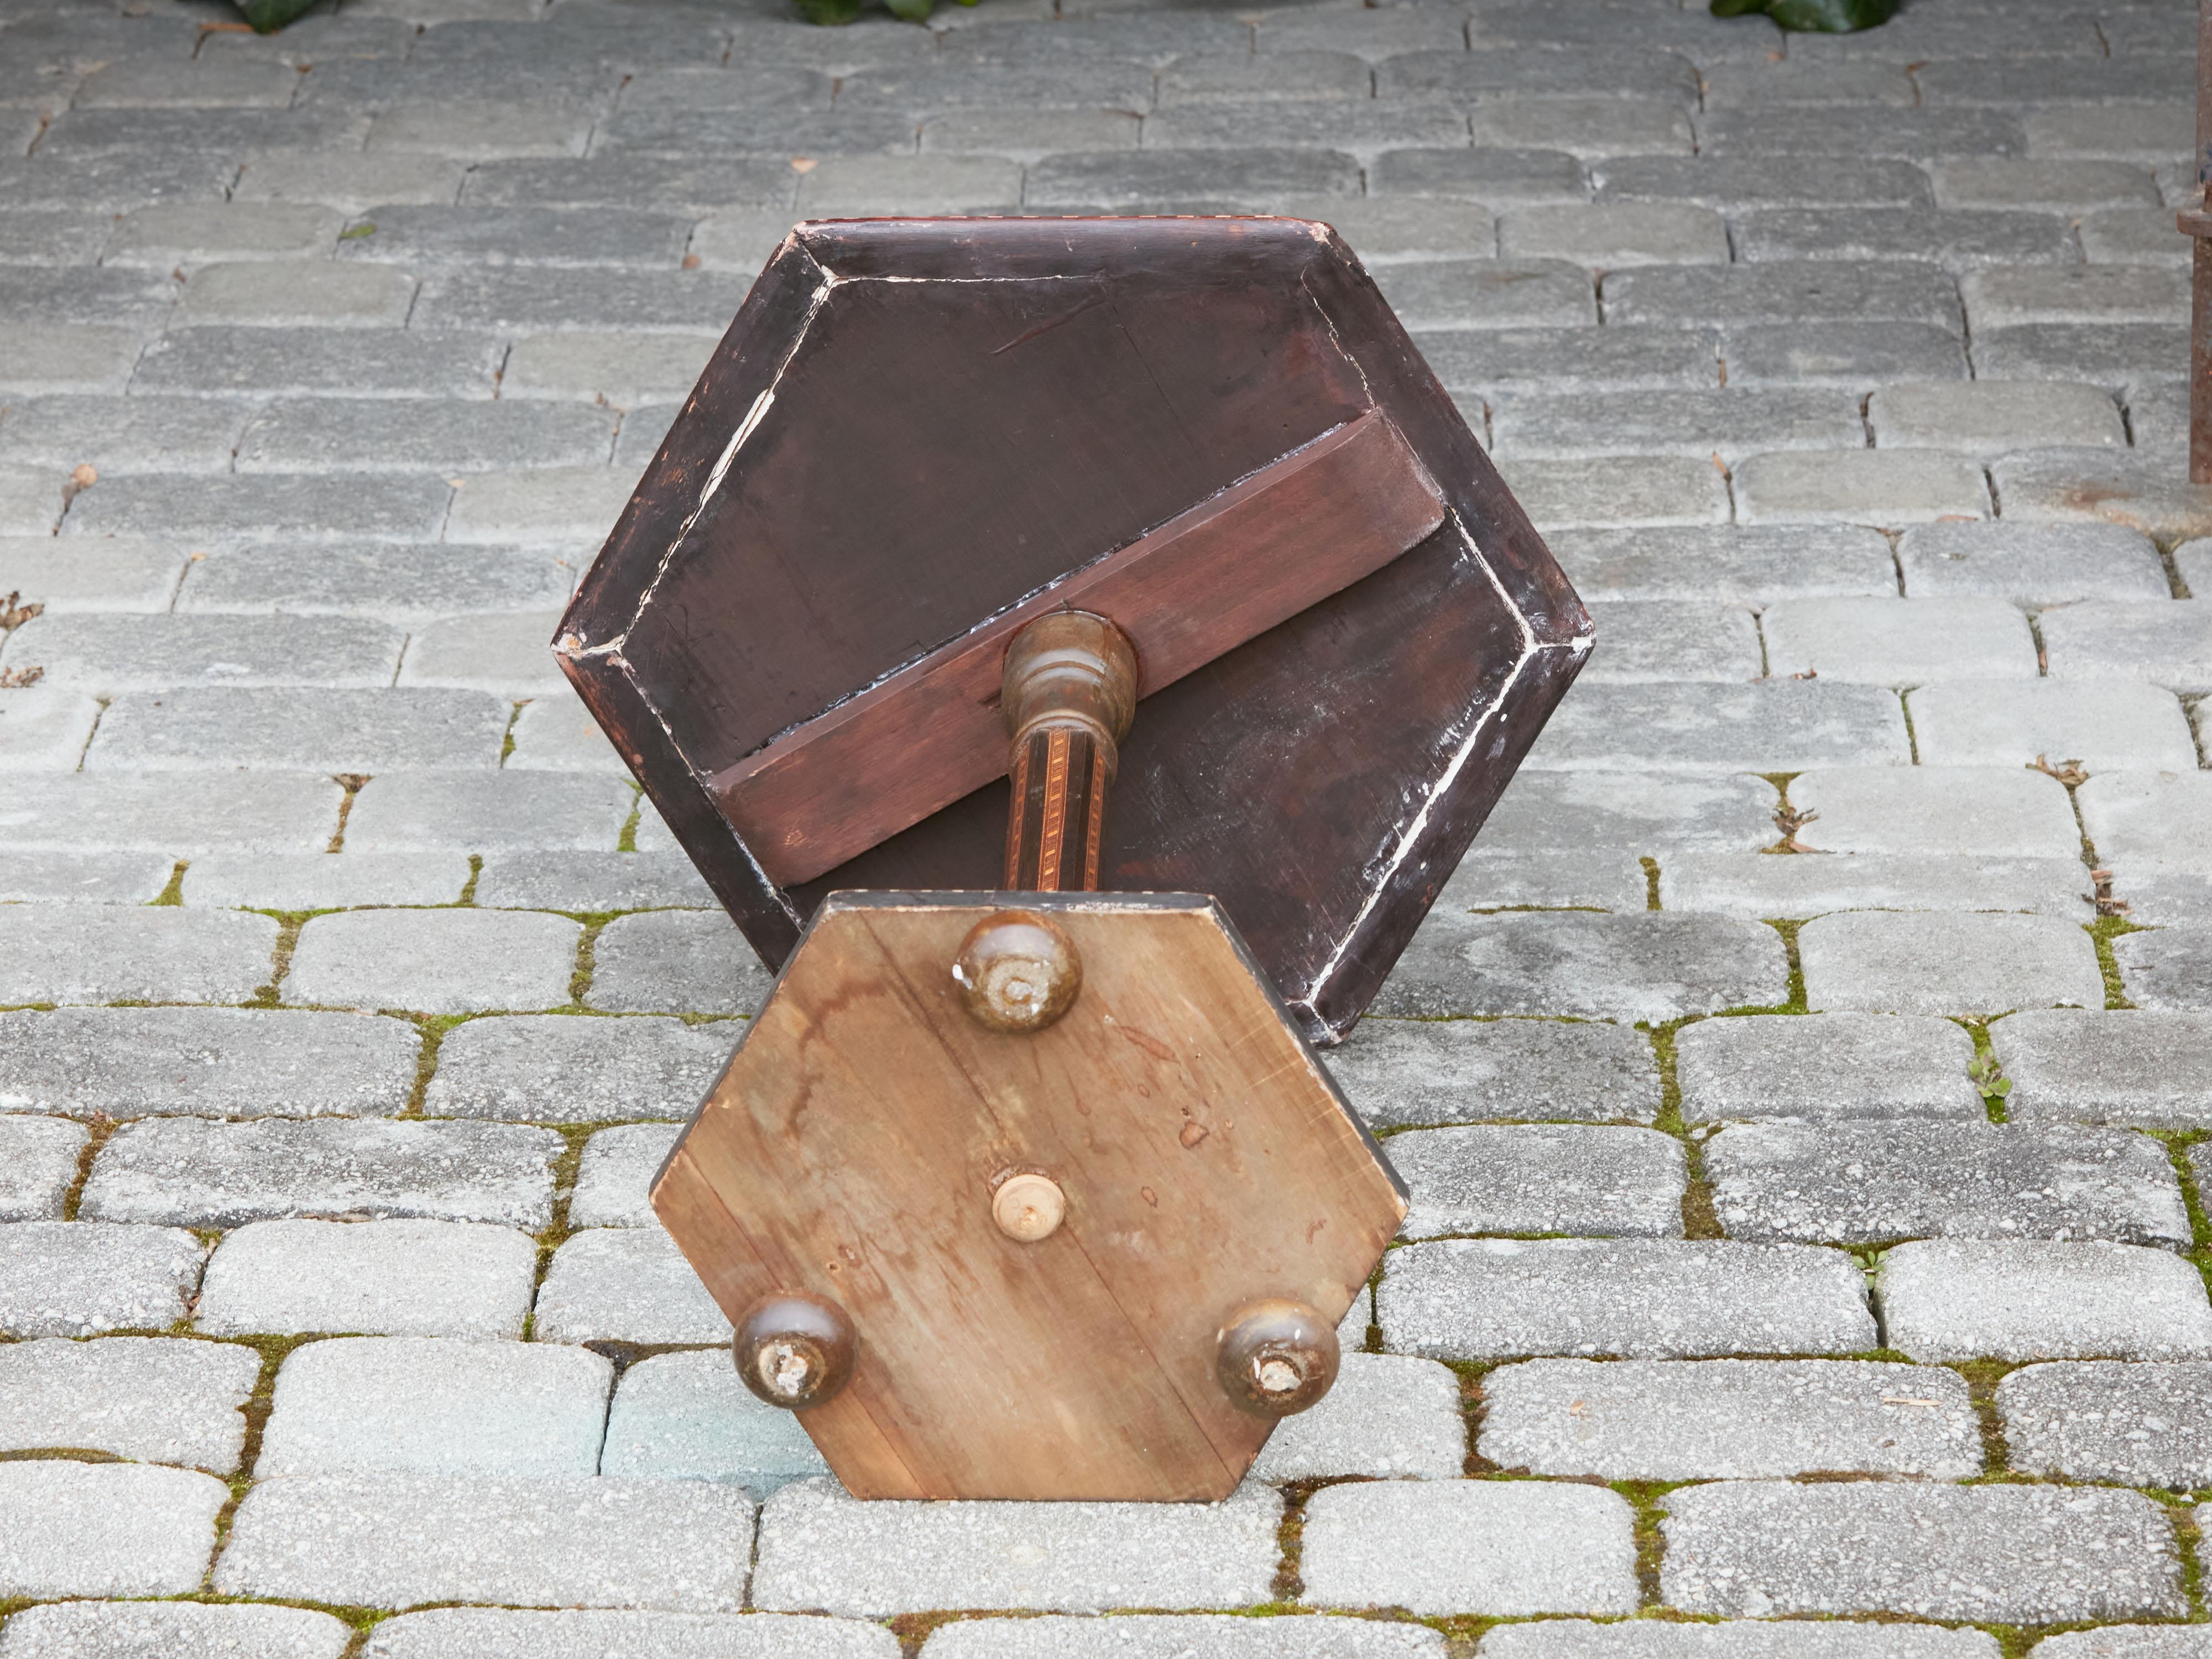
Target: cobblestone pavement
point(1801, 1086)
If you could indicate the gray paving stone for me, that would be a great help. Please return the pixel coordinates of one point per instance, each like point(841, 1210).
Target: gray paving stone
point(84, 878)
point(1863, 1183)
point(2006, 1555)
point(2165, 901)
point(297, 506)
point(482, 132)
point(1978, 810)
point(530, 298)
point(108, 654)
point(133, 1062)
point(79, 575)
point(1615, 235)
point(687, 1417)
point(2075, 293)
point(1887, 962)
point(1398, 1072)
point(347, 182)
point(1637, 1419)
point(1587, 879)
point(564, 506)
point(1994, 417)
point(111, 179)
point(1754, 564)
point(2138, 1426)
point(69, 294)
point(193, 234)
point(173, 1630)
point(2131, 1641)
point(395, 1540)
point(1389, 1417)
point(544, 880)
point(1611, 68)
point(152, 1399)
point(506, 1633)
point(625, 369)
point(38, 359)
point(2106, 725)
point(104, 1528)
point(45, 730)
point(325, 881)
point(1854, 357)
point(2133, 236)
point(679, 961)
point(1366, 130)
point(616, 1174)
point(556, 733)
point(2168, 968)
point(1572, 359)
point(375, 1405)
point(420, 235)
point(1773, 726)
point(193, 1173)
point(1781, 291)
point(1735, 1639)
point(1118, 181)
point(2053, 186)
point(2150, 820)
point(560, 1069)
point(1647, 489)
point(433, 962)
point(2137, 1065)
point(184, 731)
point(1458, 1547)
point(1643, 1298)
point(627, 1285)
point(1823, 1067)
point(77, 1278)
point(1481, 293)
point(2166, 641)
point(79, 954)
point(387, 1278)
point(692, 183)
point(488, 812)
point(1700, 423)
point(820, 1549)
point(124, 435)
point(1957, 241)
point(1542, 1178)
point(298, 294)
point(38, 1166)
point(2113, 355)
point(1597, 810)
point(303, 362)
point(1885, 487)
point(421, 434)
point(1164, 1635)
point(508, 652)
point(1753, 884)
point(1649, 966)
point(1384, 230)
point(1956, 1299)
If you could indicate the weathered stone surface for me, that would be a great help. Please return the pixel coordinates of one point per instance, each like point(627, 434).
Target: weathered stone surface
point(173, 1630)
point(76, 953)
point(2168, 968)
point(431, 1405)
point(393, 1541)
point(1947, 964)
point(1649, 966)
point(2105, 725)
point(46, 877)
point(69, 1528)
point(227, 1062)
point(2011, 813)
point(38, 1166)
point(1748, 563)
point(2006, 1554)
point(821, 1549)
point(1399, 1073)
point(626, 1285)
point(44, 729)
point(180, 816)
point(391, 1278)
point(325, 881)
point(1456, 1546)
point(1541, 1178)
point(1466, 1299)
point(1957, 1299)
point(592, 881)
point(1865, 1183)
point(1882, 642)
point(675, 962)
point(501, 811)
point(1826, 1066)
point(2127, 1642)
point(2145, 821)
point(2141, 1067)
point(434, 961)
point(506, 1633)
point(1637, 1419)
point(615, 1175)
point(563, 1068)
point(148, 1399)
point(79, 1279)
point(1885, 487)
point(1586, 879)
point(1638, 812)
point(687, 1417)
point(1168, 1635)
point(2031, 564)
point(1780, 725)
point(190, 1172)
point(2133, 1425)
point(1751, 885)
point(301, 728)
point(1388, 1416)
point(1738, 1638)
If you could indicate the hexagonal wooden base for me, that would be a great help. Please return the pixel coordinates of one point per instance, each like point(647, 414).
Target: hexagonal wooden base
point(851, 1148)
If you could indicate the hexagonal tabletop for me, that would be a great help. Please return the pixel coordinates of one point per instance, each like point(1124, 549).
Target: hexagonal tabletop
point(915, 428)
point(851, 1149)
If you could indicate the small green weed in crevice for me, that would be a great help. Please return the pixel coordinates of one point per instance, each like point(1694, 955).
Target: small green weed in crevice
point(351, 782)
point(1643, 1497)
point(1986, 1072)
point(2102, 932)
point(468, 887)
point(101, 1127)
point(627, 841)
point(507, 738)
point(432, 1029)
point(1651, 882)
point(1789, 930)
point(1473, 1374)
point(172, 894)
point(1699, 1219)
point(1982, 1377)
point(579, 982)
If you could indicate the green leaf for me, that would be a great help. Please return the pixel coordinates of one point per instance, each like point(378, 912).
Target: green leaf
point(911, 11)
point(1815, 16)
point(355, 232)
point(267, 16)
point(829, 11)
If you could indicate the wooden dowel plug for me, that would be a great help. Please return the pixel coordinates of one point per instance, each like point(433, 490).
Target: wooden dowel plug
point(1276, 1357)
point(1029, 1206)
point(794, 1350)
point(1069, 693)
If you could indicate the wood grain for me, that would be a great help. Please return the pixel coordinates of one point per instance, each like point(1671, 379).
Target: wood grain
point(1231, 567)
point(850, 1150)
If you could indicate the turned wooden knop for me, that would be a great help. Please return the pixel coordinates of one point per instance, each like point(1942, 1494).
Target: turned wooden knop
point(1069, 692)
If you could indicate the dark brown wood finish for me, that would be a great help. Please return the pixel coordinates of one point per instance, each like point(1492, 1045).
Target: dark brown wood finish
point(901, 461)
